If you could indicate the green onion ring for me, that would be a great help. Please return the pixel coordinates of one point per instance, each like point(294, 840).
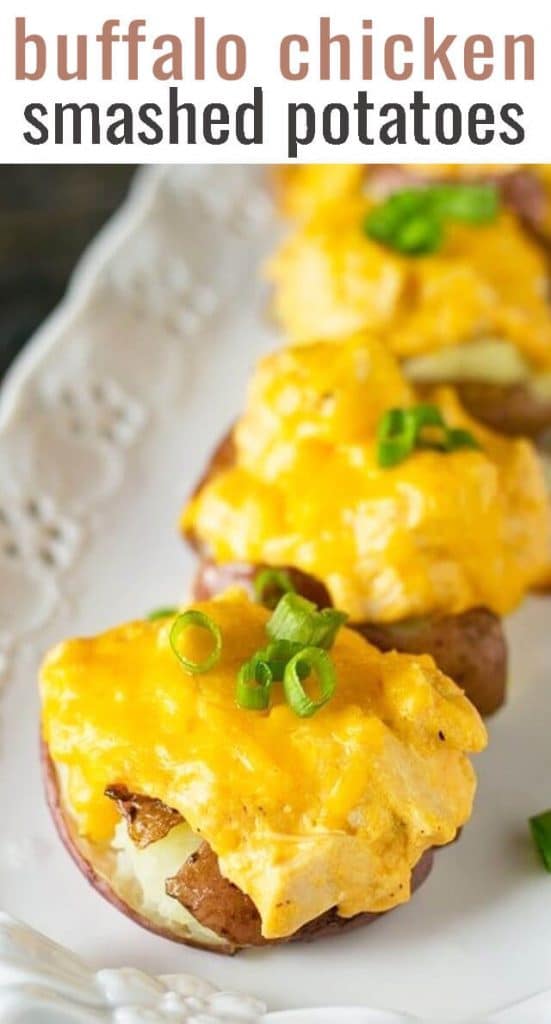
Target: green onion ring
point(277, 654)
point(396, 435)
point(412, 221)
point(399, 433)
point(196, 618)
point(319, 661)
point(458, 438)
point(161, 613)
point(540, 826)
point(298, 621)
point(272, 579)
point(468, 202)
point(419, 235)
point(254, 683)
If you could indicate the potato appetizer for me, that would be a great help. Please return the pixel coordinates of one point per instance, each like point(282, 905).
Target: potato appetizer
point(172, 749)
point(330, 471)
point(445, 262)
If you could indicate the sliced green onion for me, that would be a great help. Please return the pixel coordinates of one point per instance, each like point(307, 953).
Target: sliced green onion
point(396, 437)
point(270, 584)
point(314, 660)
point(161, 613)
point(425, 415)
point(412, 221)
point(419, 235)
point(300, 636)
point(277, 655)
point(291, 619)
point(198, 619)
point(391, 453)
point(385, 220)
point(298, 621)
point(327, 625)
point(429, 416)
point(459, 438)
point(400, 432)
point(540, 826)
point(475, 204)
point(254, 683)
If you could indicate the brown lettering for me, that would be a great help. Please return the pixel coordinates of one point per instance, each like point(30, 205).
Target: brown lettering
point(240, 62)
point(478, 48)
point(285, 58)
point(390, 58)
point(106, 40)
point(22, 41)
point(529, 61)
point(82, 58)
point(434, 54)
point(326, 42)
point(172, 59)
point(199, 49)
point(133, 37)
point(367, 51)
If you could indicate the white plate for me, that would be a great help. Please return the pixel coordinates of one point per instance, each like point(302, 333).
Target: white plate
point(105, 423)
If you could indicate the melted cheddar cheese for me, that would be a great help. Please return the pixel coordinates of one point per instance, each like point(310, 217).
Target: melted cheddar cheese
point(304, 189)
point(304, 814)
point(437, 533)
point(485, 281)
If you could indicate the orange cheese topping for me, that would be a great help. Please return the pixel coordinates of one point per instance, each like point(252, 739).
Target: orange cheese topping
point(304, 814)
point(486, 281)
point(304, 189)
point(437, 533)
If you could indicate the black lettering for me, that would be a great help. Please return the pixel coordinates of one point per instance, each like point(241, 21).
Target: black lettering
point(418, 107)
point(512, 122)
point(149, 122)
point(343, 123)
point(30, 112)
point(362, 106)
point(77, 111)
point(174, 118)
point(440, 123)
point(126, 122)
point(395, 129)
point(293, 139)
point(215, 115)
point(256, 138)
point(481, 115)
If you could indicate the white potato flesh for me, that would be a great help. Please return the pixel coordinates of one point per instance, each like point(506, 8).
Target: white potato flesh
point(148, 868)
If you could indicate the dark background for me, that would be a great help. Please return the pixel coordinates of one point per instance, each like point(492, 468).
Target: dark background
point(48, 215)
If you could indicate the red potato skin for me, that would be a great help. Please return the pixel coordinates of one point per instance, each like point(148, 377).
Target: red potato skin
point(147, 819)
point(510, 409)
point(63, 827)
point(328, 924)
point(470, 648)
